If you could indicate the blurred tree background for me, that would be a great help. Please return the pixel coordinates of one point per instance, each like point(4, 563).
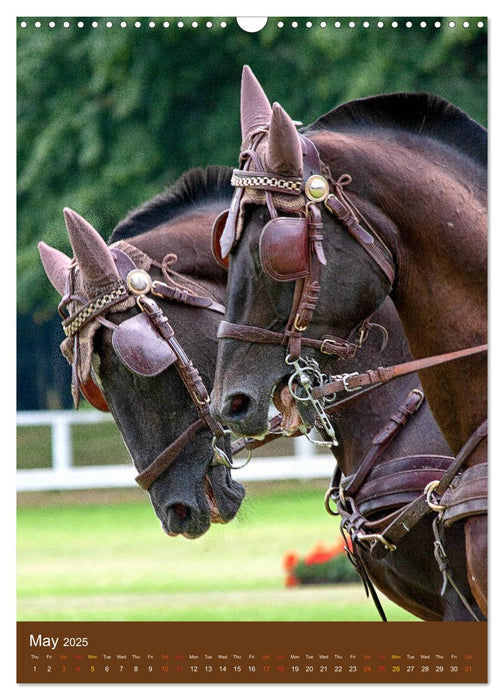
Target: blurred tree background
point(108, 116)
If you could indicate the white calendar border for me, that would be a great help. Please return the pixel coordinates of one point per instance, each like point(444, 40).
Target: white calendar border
point(260, 8)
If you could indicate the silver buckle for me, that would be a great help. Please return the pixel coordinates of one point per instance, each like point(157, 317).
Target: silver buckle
point(345, 377)
point(220, 457)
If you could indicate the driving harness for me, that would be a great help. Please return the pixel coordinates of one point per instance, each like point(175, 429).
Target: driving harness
point(379, 503)
point(147, 345)
point(290, 249)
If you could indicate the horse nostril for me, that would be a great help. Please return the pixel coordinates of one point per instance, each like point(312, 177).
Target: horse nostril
point(181, 511)
point(239, 405)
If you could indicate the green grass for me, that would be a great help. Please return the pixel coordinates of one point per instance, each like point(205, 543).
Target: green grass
point(110, 561)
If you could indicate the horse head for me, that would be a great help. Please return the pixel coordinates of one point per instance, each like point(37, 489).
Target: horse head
point(271, 240)
point(123, 363)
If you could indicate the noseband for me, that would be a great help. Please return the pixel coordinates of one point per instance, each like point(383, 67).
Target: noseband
point(147, 345)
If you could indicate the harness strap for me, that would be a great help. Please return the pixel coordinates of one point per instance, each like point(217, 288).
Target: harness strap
point(352, 521)
point(329, 345)
point(381, 441)
point(188, 372)
point(307, 289)
point(410, 515)
point(164, 460)
point(354, 497)
point(160, 289)
point(467, 495)
point(366, 240)
point(382, 375)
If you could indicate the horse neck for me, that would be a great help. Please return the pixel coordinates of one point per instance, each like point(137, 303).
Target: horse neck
point(438, 234)
point(363, 418)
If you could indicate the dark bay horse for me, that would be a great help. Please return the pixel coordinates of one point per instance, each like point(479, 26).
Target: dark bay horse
point(385, 195)
point(152, 406)
point(152, 411)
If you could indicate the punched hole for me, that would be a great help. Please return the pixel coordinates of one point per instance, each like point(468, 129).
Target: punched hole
point(252, 24)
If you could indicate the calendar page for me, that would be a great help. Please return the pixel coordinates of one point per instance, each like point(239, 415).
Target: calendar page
point(255, 231)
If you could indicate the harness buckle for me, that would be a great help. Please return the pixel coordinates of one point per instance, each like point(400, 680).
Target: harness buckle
point(299, 328)
point(419, 393)
point(345, 377)
point(376, 537)
point(328, 343)
point(429, 492)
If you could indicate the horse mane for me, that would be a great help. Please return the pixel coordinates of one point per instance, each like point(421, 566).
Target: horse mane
point(419, 113)
point(193, 189)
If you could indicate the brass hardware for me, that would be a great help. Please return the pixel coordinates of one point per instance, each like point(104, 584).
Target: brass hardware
point(316, 188)
point(138, 281)
point(428, 491)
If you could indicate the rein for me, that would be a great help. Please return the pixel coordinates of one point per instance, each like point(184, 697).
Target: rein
point(132, 332)
point(382, 375)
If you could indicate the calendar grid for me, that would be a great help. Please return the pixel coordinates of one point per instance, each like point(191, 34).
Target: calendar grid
point(248, 652)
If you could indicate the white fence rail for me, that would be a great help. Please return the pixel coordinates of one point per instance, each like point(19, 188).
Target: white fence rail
point(61, 474)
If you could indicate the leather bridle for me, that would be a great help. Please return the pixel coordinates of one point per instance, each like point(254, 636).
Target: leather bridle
point(380, 536)
point(315, 184)
point(316, 189)
point(132, 334)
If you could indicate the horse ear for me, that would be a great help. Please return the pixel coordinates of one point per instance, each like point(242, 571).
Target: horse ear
point(93, 257)
point(56, 266)
point(284, 155)
point(255, 106)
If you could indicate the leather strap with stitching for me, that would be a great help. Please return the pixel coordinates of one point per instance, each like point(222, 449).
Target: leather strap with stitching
point(410, 515)
point(160, 289)
point(164, 460)
point(188, 372)
point(380, 442)
point(382, 375)
point(366, 240)
point(328, 345)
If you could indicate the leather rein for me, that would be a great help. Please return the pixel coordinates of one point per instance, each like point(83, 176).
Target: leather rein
point(138, 283)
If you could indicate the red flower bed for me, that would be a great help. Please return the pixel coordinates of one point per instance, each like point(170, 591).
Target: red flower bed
point(322, 565)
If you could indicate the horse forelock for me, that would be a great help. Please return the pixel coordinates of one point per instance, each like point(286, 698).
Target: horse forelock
point(422, 114)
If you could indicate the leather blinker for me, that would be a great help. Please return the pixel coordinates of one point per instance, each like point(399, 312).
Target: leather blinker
point(217, 243)
point(92, 393)
point(283, 249)
point(141, 348)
